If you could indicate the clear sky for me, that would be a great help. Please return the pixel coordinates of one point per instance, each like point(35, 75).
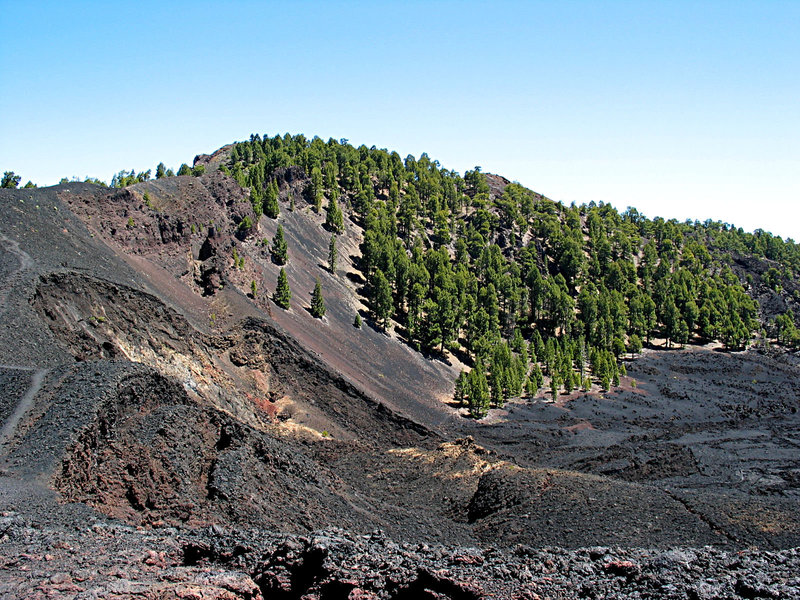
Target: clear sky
point(681, 109)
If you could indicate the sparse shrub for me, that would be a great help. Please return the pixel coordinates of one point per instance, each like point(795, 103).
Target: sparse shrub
point(246, 224)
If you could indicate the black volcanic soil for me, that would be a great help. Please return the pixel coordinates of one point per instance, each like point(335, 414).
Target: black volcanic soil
point(709, 433)
point(165, 436)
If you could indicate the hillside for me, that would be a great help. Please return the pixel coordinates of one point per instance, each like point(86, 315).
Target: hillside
point(526, 375)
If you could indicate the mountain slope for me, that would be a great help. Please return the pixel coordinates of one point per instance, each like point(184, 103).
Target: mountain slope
point(144, 380)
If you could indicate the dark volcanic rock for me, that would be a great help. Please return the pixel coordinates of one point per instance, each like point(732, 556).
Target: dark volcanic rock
point(110, 559)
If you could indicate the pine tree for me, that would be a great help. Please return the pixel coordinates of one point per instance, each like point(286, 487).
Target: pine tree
point(271, 208)
point(10, 180)
point(283, 294)
point(279, 247)
point(257, 201)
point(253, 288)
point(496, 385)
point(317, 303)
point(334, 220)
point(479, 396)
point(316, 188)
point(635, 343)
point(357, 321)
point(460, 392)
point(332, 254)
point(530, 388)
point(536, 376)
point(382, 300)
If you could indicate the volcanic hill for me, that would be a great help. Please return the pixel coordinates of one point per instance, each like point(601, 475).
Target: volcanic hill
point(169, 431)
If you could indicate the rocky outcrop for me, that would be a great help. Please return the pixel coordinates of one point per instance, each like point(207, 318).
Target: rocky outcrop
point(100, 559)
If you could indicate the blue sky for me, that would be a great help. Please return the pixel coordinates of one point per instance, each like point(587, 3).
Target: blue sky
point(681, 109)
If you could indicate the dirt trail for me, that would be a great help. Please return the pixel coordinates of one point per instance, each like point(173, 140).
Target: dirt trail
point(25, 263)
point(24, 404)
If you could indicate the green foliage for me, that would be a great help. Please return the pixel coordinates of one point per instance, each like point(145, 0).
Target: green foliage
point(253, 288)
point(10, 180)
point(198, 170)
point(279, 248)
point(635, 344)
point(357, 321)
point(257, 202)
point(126, 178)
point(786, 332)
point(772, 278)
point(238, 260)
point(130, 224)
point(332, 254)
point(463, 266)
point(184, 169)
point(317, 302)
point(245, 224)
point(316, 188)
point(536, 377)
point(477, 391)
point(283, 295)
point(382, 299)
point(271, 207)
point(334, 221)
point(460, 392)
